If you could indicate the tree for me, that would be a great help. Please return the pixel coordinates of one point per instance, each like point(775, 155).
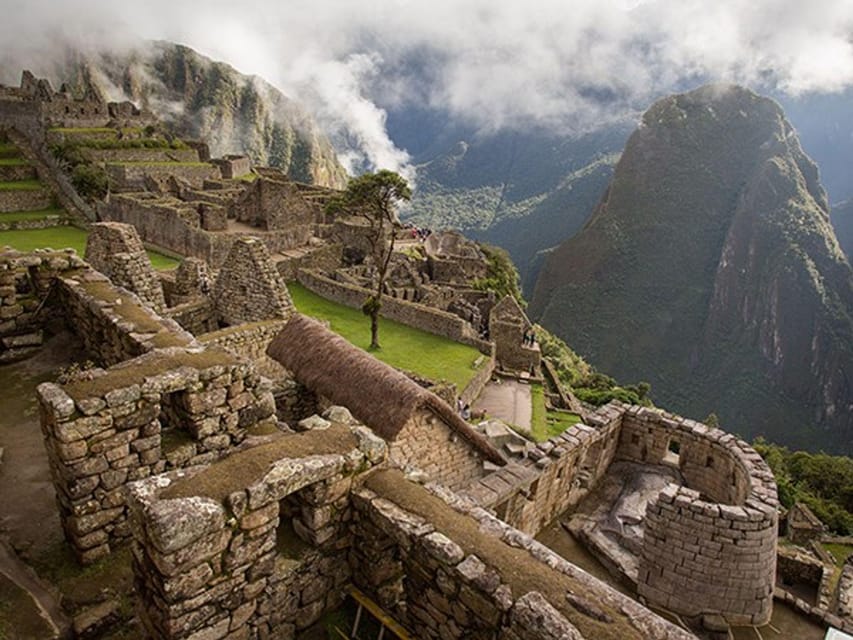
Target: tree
point(375, 197)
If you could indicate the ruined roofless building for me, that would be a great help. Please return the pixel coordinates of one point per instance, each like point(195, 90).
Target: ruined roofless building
point(421, 429)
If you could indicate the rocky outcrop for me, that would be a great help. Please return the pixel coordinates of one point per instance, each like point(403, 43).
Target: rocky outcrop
point(710, 268)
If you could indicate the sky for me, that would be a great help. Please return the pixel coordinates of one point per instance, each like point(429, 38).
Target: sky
point(565, 64)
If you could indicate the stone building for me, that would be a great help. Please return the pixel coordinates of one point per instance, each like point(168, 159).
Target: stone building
point(36, 101)
point(422, 431)
point(508, 325)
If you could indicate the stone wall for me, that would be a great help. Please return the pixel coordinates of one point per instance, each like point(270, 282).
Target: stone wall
point(794, 567)
point(411, 314)
point(25, 200)
point(844, 599)
point(555, 475)
point(13, 173)
point(233, 166)
point(324, 258)
point(709, 546)
point(25, 281)
point(248, 287)
point(197, 316)
point(112, 323)
point(445, 569)
point(166, 222)
point(426, 443)
point(250, 341)
point(476, 385)
point(92, 154)
point(103, 432)
point(272, 204)
point(261, 554)
point(115, 250)
point(131, 176)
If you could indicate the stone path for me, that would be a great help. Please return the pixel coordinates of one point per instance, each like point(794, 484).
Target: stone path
point(507, 400)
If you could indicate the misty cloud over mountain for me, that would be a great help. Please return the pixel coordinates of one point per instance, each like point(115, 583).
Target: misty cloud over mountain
point(566, 66)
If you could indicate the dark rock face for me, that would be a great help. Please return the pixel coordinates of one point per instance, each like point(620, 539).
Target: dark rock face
point(710, 268)
point(842, 222)
point(209, 100)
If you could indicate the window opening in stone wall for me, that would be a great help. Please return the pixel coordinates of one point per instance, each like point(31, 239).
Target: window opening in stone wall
point(635, 438)
point(288, 544)
point(173, 434)
point(709, 462)
point(673, 452)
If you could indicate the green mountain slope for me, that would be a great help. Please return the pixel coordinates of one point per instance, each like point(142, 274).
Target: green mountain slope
point(710, 269)
point(211, 101)
point(525, 192)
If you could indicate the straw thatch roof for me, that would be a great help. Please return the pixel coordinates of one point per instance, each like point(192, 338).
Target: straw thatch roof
point(378, 395)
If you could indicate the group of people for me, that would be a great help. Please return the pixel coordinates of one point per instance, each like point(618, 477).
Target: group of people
point(529, 338)
point(419, 233)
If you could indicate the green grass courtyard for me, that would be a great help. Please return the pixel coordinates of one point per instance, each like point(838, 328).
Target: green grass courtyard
point(403, 347)
point(63, 237)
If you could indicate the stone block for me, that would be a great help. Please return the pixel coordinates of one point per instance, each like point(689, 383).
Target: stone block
point(173, 524)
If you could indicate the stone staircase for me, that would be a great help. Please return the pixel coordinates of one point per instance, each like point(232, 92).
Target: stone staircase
point(25, 201)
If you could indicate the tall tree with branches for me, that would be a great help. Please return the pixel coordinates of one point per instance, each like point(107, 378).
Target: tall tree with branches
point(375, 197)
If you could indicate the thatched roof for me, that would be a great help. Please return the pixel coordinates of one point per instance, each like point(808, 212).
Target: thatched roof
point(378, 395)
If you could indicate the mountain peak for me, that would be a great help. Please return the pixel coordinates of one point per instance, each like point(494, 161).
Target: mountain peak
point(710, 268)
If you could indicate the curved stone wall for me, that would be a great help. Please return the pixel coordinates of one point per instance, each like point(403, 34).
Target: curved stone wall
point(710, 546)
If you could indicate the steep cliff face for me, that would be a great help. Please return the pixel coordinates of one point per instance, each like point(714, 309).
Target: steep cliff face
point(710, 268)
point(210, 100)
point(842, 222)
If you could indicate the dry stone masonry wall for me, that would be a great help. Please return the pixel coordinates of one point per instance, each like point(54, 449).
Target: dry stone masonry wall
point(709, 547)
point(170, 408)
point(259, 555)
point(249, 288)
point(115, 250)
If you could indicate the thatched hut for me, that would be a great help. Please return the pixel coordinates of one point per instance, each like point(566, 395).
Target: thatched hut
point(422, 430)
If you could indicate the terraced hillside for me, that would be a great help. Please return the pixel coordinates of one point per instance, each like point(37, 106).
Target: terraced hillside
point(26, 203)
point(30, 217)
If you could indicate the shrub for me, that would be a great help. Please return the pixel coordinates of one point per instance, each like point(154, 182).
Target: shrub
point(90, 181)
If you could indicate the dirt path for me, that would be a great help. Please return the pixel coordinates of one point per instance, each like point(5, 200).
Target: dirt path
point(507, 400)
point(29, 522)
point(45, 603)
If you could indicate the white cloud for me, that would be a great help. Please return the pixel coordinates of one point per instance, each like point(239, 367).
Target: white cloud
point(495, 63)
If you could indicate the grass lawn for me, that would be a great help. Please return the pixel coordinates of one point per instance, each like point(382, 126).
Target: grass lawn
point(12, 162)
point(403, 347)
point(546, 424)
point(66, 237)
point(18, 216)
point(21, 185)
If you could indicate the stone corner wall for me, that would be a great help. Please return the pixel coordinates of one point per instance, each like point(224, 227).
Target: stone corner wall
point(114, 249)
point(440, 583)
point(266, 561)
point(107, 431)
